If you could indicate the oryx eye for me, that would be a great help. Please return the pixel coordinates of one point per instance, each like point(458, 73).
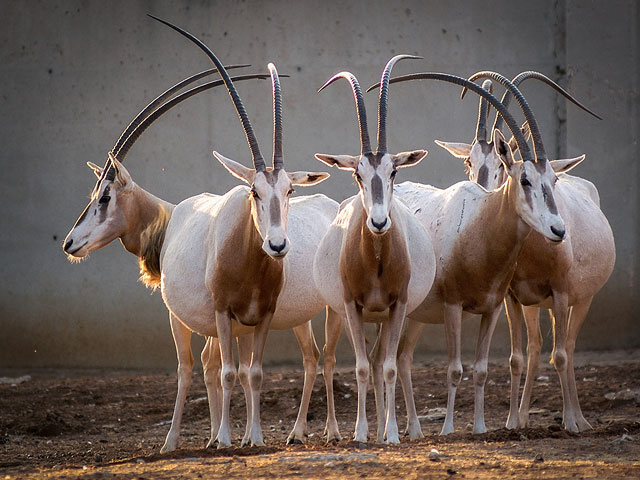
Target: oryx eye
point(393, 173)
point(254, 193)
point(357, 175)
point(290, 192)
point(524, 182)
point(104, 199)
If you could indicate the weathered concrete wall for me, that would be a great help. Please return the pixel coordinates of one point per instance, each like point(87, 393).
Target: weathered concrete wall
point(74, 73)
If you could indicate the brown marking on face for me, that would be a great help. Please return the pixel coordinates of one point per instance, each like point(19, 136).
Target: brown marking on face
point(549, 201)
point(374, 263)
point(244, 271)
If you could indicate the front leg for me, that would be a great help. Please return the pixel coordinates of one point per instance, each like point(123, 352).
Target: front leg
point(310, 359)
point(391, 331)
point(516, 361)
point(452, 326)
point(228, 375)
point(211, 366)
point(534, 345)
point(255, 378)
point(354, 321)
point(332, 329)
point(487, 326)
point(182, 339)
point(245, 344)
point(378, 354)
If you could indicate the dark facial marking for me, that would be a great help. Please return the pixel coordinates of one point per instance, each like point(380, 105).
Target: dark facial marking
point(485, 147)
point(483, 176)
point(376, 189)
point(549, 201)
point(274, 211)
point(374, 158)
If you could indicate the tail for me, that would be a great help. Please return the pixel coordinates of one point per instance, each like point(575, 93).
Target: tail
point(151, 241)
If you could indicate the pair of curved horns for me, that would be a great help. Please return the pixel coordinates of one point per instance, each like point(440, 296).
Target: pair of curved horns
point(383, 101)
point(258, 160)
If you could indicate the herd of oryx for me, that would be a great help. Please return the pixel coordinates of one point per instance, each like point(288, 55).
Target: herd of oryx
point(253, 259)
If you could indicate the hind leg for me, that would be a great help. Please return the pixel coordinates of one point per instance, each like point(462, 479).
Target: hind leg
point(310, 359)
point(576, 319)
point(534, 346)
point(516, 361)
point(408, 342)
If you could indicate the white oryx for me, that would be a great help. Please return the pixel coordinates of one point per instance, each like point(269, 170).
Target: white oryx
point(213, 223)
point(565, 276)
point(376, 262)
point(477, 236)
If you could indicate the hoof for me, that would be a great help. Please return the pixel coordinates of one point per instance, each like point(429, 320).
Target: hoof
point(294, 441)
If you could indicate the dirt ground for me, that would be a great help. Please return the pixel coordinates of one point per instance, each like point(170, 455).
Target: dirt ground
point(106, 424)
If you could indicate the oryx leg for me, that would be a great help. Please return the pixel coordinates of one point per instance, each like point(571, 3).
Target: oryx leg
point(390, 337)
point(452, 329)
point(480, 368)
point(255, 378)
point(516, 360)
point(407, 346)
point(245, 344)
point(534, 346)
point(212, 365)
point(182, 339)
point(578, 314)
point(332, 329)
point(377, 357)
point(354, 321)
point(227, 377)
point(559, 357)
point(310, 359)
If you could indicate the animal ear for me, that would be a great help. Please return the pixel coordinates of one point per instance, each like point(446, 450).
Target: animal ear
point(96, 169)
point(343, 162)
point(122, 174)
point(458, 150)
point(566, 164)
point(245, 174)
point(307, 178)
point(408, 159)
point(503, 150)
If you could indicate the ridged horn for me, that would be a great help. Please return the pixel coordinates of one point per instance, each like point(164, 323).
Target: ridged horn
point(361, 112)
point(278, 159)
point(483, 110)
point(161, 98)
point(383, 101)
point(258, 161)
point(139, 130)
point(445, 77)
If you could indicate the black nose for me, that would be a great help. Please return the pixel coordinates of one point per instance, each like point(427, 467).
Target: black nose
point(380, 225)
point(67, 245)
point(278, 248)
point(559, 233)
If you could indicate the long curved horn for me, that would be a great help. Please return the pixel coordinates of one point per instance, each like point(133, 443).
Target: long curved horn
point(483, 110)
point(538, 146)
point(258, 161)
point(361, 112)
point(142, 126)
point(445, 77)
point(522, 76)
point(278, 159)
point(161, 98)
point(384, 100)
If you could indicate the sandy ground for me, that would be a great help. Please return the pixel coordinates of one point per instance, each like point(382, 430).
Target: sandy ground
point(111, 424)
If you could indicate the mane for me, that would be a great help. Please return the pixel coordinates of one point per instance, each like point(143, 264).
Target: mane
point(151, 241)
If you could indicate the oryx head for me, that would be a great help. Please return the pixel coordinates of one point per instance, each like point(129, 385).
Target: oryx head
point(532, 181)
point(374, 171)
point(270, 187)
point(481, 158)
point(105, 217)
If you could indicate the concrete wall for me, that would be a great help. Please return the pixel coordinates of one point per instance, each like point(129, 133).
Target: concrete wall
point(74, 73)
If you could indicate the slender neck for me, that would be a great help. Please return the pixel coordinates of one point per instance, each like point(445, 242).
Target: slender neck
point(141, 210)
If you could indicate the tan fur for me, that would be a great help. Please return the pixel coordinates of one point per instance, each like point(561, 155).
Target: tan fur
point(151, 241)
